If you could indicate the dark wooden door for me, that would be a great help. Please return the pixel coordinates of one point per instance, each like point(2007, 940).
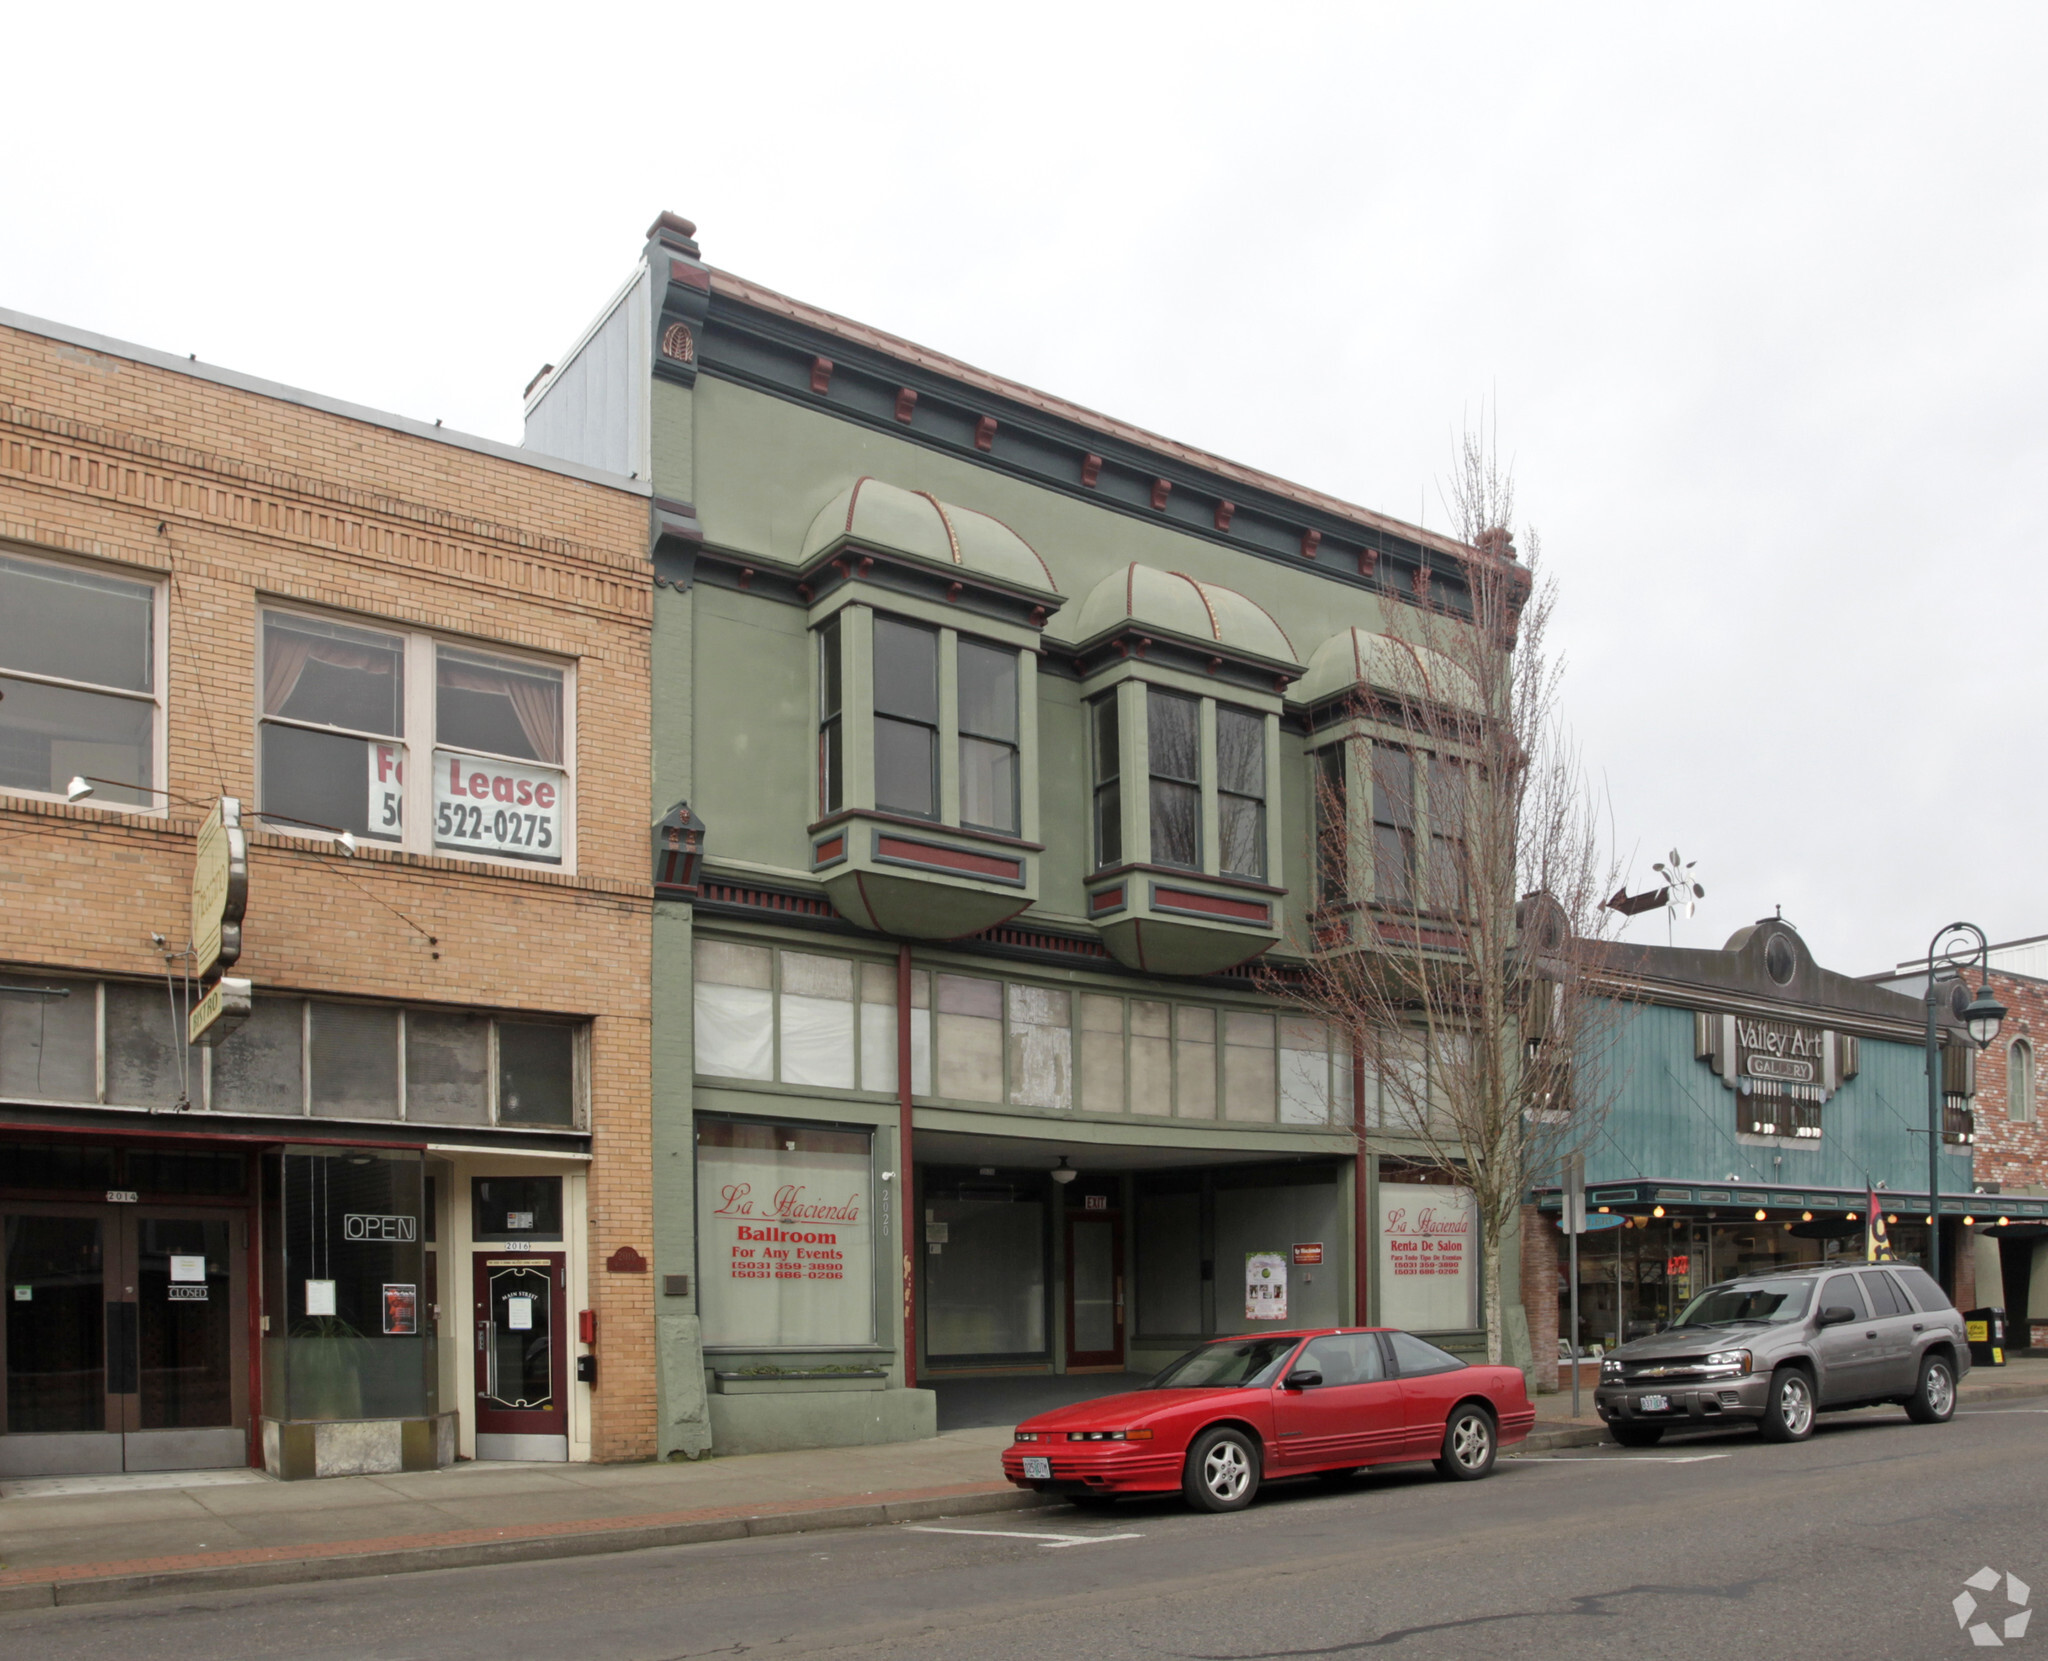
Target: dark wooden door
point(522, 1356)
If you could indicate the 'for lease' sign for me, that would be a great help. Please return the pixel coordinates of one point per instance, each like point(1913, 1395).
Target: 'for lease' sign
point(498, 807)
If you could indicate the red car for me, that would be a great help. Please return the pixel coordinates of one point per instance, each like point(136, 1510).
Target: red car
point(1235, 1411)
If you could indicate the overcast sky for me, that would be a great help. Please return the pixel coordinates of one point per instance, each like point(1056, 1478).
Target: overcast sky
point(1758, 293)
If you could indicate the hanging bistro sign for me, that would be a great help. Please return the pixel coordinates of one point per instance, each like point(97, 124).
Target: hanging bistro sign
point(220, 895)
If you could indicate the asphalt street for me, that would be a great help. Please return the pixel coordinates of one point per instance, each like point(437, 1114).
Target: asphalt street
point(1854, 1544)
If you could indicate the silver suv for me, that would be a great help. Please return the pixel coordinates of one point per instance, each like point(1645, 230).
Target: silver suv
point(1777, 1348)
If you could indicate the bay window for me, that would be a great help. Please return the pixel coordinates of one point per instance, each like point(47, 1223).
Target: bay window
point(1174, 745)
point(906, 670)
point(1241, 792)
point(1449, 789)
point(1393, 826)
point(79, 681)
point(344, 708)
point(1332, 814)
point(988, 736)
point(831, 726)
point(1109, 808)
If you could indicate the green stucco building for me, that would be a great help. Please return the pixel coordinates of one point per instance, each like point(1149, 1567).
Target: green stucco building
point(985, 730)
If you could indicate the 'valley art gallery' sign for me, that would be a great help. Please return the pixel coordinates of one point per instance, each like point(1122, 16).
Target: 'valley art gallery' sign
point(786, 1233)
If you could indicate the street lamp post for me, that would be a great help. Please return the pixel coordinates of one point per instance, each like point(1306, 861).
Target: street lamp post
point(1951, 949)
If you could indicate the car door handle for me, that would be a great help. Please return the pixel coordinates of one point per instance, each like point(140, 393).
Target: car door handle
point(1871, 1333)
point(1919, 1326)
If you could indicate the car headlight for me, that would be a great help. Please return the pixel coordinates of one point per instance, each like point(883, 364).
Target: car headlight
point(1737, 1359)
point(1109, 1436)
point(1027, 1435)
point(1610, 1368)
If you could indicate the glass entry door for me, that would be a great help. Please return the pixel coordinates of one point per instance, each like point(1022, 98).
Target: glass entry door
point(1095, 1290)
point(522, 1357)
point(125, 1345)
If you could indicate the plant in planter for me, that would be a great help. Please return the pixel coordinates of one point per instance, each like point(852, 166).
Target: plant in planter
point(326, 1368)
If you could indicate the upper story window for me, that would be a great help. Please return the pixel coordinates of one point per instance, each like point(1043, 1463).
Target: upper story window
point(1450, 782)
point(831, 722)
point(988, 736)
point(80, 683)
point(906, 718)
point(1332, 822)
point(1241, 792)
point(1173, 732)
point(1109, 809)
point(345, 708)
point(1393, 826)
point(945, 728)
point(2019, 1082)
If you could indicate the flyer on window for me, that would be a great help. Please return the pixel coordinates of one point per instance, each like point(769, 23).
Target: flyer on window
point(1265, 1286)
point(401, 1310)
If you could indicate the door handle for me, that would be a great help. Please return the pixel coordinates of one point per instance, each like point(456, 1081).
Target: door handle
point(1872, 1333)
point(491, 1360)
point(1919, 1325)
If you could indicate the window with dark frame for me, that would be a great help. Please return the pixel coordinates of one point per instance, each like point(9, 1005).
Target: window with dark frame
point(831, 730)
point(906, 718)
point(78, 685)
point(987, 682)
point(1109, 816)
point(1450, 783)
point(1393, 826)
point(1333, 834)
point(1241, 792)
point(1173, 730)
point(333, 726)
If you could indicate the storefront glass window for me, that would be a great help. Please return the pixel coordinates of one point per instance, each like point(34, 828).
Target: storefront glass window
point(984, 1272)
point(536, 1073)
point(1248, 1067)
point(1151, 1057)
point(447, 1069)
point(261, 1066)
point(142, 1048)
point(1428, 1257)
point(1102, 1054)
point(878, 1029)
point(355, 1061)
point(785, 1235)
point(1194, 1062)
point(1169, 1240)
point(735, 1011)
point(342, 1285)
point(970, 1038)
point(48, 1044)
point(816, 1009)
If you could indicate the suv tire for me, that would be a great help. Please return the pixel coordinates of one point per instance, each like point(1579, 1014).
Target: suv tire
point(1934, 1403)
point(1788, 1412)
point(1222, 1471)
point(1470, 1443)
point(1637, 1436)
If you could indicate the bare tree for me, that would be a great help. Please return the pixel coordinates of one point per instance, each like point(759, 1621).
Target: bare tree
point(1460, 871)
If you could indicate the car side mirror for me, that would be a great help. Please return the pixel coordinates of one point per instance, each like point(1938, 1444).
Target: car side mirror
point(1304, 1378)
point(1836, 1314)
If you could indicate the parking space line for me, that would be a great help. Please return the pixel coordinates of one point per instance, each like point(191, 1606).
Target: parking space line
point(1053, 1542)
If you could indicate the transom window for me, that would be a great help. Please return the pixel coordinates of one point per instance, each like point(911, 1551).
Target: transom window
point(80, 687)
point(345, 708)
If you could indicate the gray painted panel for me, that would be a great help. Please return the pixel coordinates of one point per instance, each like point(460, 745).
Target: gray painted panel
point(217, 1448)
point(593, 409)
point(88, 1453)
point(554, 1448)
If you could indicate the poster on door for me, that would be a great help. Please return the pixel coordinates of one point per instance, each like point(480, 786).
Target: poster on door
point(1265, 1286)
point(1429, 1281)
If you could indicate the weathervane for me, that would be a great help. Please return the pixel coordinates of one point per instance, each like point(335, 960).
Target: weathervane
point(1679, 893)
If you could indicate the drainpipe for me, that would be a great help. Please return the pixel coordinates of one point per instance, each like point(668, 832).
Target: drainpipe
point(1361, 1221)
point(906, 1186)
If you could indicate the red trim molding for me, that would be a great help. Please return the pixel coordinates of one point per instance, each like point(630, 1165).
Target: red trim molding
point(1108, 899)
point(938, 857)
point(1210, 905)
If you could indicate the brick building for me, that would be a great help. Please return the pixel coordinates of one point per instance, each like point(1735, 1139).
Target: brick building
point(370, 1226)
point(2011, 1144)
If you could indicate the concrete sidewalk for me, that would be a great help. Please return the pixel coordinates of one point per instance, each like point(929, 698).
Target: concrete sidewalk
point(96, 1539)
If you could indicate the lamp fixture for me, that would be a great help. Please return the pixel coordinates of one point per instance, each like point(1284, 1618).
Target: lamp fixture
point(2001, 1222)
point(1806, 1216)
point(1759, 1215)
point(1063, 1173)
point(1967, 1221)
point(1984, 1015)
point(1656, 1211)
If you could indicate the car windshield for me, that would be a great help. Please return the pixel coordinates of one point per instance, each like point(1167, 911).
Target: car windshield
point(1235, 1362)
point(1748, 1300)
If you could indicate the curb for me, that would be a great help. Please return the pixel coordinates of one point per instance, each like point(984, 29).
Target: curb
point(114, 1588)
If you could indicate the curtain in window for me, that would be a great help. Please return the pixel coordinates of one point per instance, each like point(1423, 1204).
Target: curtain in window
point(536, 702)
point(286, 654)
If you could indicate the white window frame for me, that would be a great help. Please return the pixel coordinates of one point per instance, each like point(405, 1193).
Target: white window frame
point(160, 662)
point(420, 742)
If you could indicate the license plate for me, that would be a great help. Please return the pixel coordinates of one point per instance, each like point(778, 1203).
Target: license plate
point(1037, 1470)
point(1649, 1404)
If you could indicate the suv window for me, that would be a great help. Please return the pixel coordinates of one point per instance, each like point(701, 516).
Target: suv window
point(1921, 1285)
point(1884, 1299)
point(1841, 1290)
point(1412, 1357)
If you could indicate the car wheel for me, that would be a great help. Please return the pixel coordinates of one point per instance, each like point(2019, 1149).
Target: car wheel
point(1788, 1416)
point(1469, 1445)
point(1637, 1436)
point(1934, 1402)
point(1222, 1472)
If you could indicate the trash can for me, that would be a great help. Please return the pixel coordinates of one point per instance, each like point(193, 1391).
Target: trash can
point(1985, 1330)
